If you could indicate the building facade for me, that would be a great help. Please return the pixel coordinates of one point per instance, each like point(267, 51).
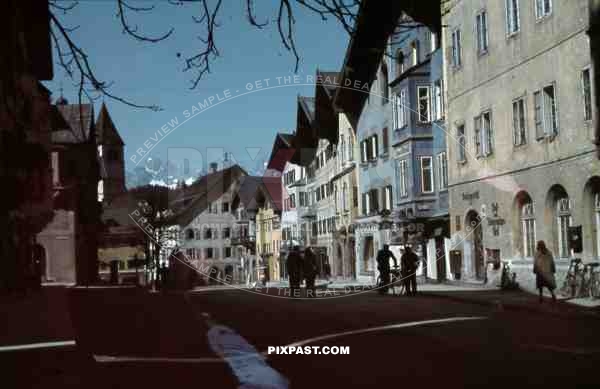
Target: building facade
point(520, 123)
point(419, 146)
point(345, 194)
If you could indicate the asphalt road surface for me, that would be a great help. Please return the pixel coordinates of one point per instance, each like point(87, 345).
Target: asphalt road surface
point(134, 340)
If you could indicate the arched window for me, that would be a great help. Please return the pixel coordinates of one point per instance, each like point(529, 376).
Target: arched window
point(528, 229)
point(384, 84)
point(101, 190)
point(189, 234)
point(563, 219)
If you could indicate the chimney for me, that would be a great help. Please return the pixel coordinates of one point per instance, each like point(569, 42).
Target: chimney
point(213, 167)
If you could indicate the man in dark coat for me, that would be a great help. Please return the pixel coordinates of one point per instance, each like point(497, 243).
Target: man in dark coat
point(410, 263)
point(294, 266)
point(310, 271)
point(383, 265)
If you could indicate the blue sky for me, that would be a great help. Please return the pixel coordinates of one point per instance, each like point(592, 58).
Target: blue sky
point(152, 74)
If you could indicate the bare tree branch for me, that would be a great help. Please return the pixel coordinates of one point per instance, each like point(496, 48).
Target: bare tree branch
point(121, 5)
point(78, 64)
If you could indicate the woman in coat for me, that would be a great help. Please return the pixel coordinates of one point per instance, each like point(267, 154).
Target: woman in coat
point(544, 269)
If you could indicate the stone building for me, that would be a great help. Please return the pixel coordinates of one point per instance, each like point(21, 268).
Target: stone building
point(345, 194)
point(205, 218)
point(520, 122)
point(69, 241)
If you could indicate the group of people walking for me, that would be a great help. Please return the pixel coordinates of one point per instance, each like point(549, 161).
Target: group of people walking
point(302, 266)
point(410, 264)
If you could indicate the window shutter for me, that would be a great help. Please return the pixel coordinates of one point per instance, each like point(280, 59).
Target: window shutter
point(385, 140)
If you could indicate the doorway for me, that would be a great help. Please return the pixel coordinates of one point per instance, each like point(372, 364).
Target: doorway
point(474, 228)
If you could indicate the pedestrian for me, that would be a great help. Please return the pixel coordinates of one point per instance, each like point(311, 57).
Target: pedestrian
point(544, 269)
point(294, 267)
point(327, 269)
point(383, 265)
point(410, 263)
point(310, 271)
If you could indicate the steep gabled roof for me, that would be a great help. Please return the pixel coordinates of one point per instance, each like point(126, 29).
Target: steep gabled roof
point(282, 152)
point(106, 132)
point(75, 125)
point(191, 201)
point(306, 140)
point(326, 121)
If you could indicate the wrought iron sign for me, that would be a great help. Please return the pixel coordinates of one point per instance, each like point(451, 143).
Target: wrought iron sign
point(495, 222)
point(470, 197)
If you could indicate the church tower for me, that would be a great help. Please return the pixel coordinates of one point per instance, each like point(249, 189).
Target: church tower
point(112, 161)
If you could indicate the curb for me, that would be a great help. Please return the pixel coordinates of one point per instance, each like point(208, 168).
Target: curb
point(497, 303)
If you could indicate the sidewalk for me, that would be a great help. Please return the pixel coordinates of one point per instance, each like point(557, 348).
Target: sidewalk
point(518, 301)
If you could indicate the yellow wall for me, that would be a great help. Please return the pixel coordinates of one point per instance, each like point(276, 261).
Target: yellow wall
point(266, 234)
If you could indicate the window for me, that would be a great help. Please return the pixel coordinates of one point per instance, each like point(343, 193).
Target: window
point(438, 100)
point(545, 112)
point(482, 32)
point(386, 142)
point(374, 201)
point(387, 198)
point(586, 87)
point(209, 253)
point(383, 84)
point(101, 190)
point(355, 196)
point(433, 41)
point(484, 137)
point(426, 175)
point(293, 200)
point(399, 63)
point(363, 149)
point(528, 225)
point(226, 233)
point(519, 130)
point(400, 110)
point(208, 234)
point(414, 53)
point(512, 17)
point(456, 49)
point(462, 143)
point(225, 207)
point(345, 197)
point(563, 212)
point(227, 252)
point(442, 165)
point(189, 234)
point(374, 147)
point(402, 177)
point(543, 8)
point(423, 99)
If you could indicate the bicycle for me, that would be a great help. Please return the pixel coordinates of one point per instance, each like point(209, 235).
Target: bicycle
point(395, 277)
point(569, 286)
